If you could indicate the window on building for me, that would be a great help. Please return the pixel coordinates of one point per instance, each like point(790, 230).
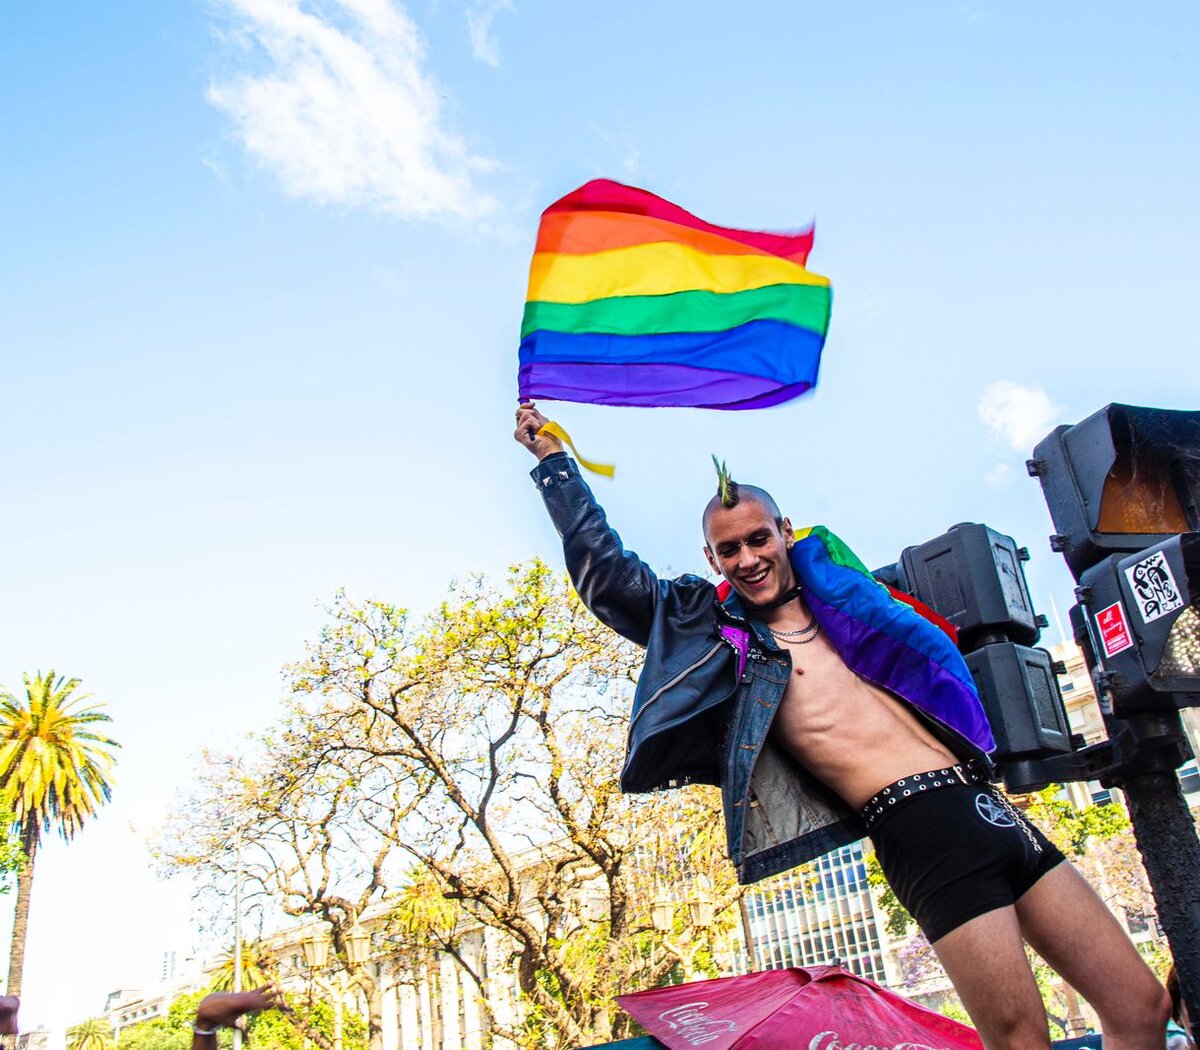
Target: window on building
point(1189, 777)
point(1099, 795)
point(811, 918)
point(1137, 923)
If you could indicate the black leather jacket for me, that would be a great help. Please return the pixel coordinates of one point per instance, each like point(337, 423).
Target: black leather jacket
point(690, 670)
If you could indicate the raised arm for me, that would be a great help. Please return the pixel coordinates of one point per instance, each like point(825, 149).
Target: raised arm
point(226, 1010)
point(614, 583)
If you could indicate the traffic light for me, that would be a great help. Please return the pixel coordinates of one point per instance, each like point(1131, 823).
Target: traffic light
point(1144, 615)
point(973, 576)
point(1123, 488)
point(1121, 480)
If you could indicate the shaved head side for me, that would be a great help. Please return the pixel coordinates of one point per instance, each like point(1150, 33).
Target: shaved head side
point(741, 494)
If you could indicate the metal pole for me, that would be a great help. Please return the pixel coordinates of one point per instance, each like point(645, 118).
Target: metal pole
point(237, 926)
point(338, 1006)
point(752, 963)
point(1166, 839)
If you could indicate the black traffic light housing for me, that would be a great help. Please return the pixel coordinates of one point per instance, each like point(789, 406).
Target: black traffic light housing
point(973, 576)
point(1143, 617)
point(1121, 480)
point(1123, 488)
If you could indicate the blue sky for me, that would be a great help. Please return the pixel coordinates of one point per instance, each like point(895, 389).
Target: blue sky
point(262, 267)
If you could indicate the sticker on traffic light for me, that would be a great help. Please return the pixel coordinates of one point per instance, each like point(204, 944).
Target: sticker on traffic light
point(1114, 629)
point(1151, 657)
point(1154, 588)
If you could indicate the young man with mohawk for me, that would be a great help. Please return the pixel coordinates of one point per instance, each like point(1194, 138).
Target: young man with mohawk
point(827, 710)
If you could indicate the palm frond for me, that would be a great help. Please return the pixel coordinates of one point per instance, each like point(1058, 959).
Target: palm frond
point(55, 771)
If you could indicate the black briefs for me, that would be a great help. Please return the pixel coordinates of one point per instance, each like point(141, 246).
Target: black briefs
point(954, 852)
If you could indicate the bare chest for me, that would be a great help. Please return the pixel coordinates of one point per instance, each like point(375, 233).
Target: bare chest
point(849, 732)
point(820, 685)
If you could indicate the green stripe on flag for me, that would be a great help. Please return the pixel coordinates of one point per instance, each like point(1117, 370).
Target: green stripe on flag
point(803, 305)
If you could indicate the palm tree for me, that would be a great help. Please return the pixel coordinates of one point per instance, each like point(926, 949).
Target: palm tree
point(93, 1034)
point(255, 964)
point(55, 772)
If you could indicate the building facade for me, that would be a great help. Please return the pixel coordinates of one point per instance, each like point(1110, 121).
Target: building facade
point(821, 914)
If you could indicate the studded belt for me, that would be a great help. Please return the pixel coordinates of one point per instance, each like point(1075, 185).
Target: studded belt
point(907, 787)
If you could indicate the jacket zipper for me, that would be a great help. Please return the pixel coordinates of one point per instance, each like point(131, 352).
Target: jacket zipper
point(676, 680)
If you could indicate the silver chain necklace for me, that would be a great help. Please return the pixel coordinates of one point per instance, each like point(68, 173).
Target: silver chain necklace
point(810, 629)
point(799, 641)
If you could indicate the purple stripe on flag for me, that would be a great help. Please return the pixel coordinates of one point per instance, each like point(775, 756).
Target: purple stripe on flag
point(652, 385)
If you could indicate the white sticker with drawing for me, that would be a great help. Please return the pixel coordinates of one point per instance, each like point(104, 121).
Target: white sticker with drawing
point(1154, 587)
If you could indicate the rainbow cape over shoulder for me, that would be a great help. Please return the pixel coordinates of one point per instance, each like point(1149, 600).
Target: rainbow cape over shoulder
point(886, 636)
point(634, 301)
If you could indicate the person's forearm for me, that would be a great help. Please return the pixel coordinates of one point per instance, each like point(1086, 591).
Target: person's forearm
point(614, 583)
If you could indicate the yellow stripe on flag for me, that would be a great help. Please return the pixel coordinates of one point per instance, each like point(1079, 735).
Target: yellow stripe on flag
point(656, 269)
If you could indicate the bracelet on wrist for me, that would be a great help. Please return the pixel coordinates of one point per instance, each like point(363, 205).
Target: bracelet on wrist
point(197, 1030)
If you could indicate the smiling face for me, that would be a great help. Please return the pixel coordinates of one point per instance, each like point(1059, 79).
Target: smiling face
point(748, 544)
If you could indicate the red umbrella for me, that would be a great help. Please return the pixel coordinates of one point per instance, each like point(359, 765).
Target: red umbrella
point(819, 1008)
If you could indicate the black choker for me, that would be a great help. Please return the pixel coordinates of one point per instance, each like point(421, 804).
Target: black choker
point(783, 599)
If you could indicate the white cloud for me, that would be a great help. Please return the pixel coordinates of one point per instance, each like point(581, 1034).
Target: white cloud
point(1018, 416)
point(1000, 475)
point(626, 150)
point(479, 25)
point(339, 108)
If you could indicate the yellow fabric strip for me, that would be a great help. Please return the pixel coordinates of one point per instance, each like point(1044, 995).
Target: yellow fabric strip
point(655, 269)
point(607, 470)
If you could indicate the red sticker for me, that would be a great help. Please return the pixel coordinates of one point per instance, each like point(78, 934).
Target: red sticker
point(1114, 630)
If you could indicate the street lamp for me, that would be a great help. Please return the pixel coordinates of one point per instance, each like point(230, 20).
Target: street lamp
point(701, 913)
point(701, 905)
point(315, 945)
point(702, 909)
point(358, 944)
point(662, 914)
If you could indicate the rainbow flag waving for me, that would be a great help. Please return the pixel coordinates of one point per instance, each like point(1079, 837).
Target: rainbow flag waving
point(634, 301)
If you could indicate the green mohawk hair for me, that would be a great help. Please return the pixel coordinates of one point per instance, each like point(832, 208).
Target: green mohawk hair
point(727, 488)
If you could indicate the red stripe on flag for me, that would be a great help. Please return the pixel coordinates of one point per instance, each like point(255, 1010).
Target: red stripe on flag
point(606, 195)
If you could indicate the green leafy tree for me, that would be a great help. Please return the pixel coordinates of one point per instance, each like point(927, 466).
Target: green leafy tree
point(319, 820)
point(465, 769)
point(1075, 831)
point(55, 773)
point(182, 1011)
point(94, 1034)
point(509, 706)
point(155, 1034)
point(12, 857)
